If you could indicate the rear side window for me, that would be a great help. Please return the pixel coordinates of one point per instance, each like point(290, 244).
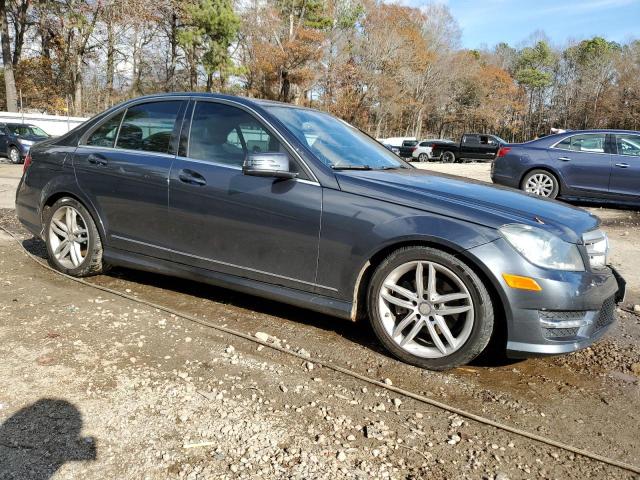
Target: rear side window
point(628, 145)
point(470, 139)
point(590, 143)
point(409, 143)
point(149, 126)
point(424, 144)
point(225, 134)
point(105, 134)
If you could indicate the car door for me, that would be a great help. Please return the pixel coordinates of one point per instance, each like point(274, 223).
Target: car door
point(261, 228)
point(583, 161)
point(625, 168)
point(470, 146)
point(4, 144)
point(487, 148)
point(123, 165)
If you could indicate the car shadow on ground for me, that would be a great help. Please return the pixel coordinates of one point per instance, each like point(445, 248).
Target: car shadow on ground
point(357, 332)
point(38, 439)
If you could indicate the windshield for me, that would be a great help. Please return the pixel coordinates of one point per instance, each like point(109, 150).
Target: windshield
point(500, 140)
point(334, 142)
point(27, 130)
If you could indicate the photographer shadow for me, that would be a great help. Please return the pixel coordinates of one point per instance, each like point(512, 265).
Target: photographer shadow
point(38, 439)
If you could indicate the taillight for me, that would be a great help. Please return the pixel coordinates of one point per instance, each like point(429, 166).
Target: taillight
point(413, 148)
point(503, 151)
point(433, 145)
point(27, 162)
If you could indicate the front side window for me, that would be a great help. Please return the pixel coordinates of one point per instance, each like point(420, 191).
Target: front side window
point(225, 134)
point(588, 143)
point(149, 126)
point(628, 145)
point(334, 142)
point(105, 134)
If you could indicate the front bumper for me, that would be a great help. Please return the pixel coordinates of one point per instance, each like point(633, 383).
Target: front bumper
point(573, 310)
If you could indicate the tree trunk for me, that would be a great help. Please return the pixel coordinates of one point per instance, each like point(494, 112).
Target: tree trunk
point(173, 54)
point(9, 80)
point(77, 87)
point(20, 28)
point(111, 60)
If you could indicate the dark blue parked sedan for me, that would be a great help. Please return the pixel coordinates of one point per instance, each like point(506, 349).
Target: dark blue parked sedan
point(591, 165)
point(295, 205)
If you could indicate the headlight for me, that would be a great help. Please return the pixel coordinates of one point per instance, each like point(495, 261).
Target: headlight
point(543, 248)
point(26, 143)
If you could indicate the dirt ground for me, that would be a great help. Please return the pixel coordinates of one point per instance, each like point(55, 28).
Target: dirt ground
point(97, 386)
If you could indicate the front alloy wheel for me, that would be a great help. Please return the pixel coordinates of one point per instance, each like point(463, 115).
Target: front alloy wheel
point(430, 309)
point(423, 157)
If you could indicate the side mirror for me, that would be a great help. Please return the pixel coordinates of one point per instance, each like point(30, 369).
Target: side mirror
point(268, 165)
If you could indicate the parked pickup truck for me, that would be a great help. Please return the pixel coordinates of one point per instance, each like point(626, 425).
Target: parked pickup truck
point(407, 148)
point(472, 146)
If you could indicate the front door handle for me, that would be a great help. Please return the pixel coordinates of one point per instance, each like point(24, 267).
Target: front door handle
point(191, 177)
point(622, 165)
point(564, 159)
point(98, 160)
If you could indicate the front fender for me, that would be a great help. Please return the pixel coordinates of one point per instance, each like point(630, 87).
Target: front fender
point(355, 232)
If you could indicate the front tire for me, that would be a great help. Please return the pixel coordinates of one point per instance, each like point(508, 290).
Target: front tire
point(542, 183)
point(73, 241)
point(423, 157)
point(14, 155)
point(429, 309)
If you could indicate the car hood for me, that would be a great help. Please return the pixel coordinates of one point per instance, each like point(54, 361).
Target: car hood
point(468, 200)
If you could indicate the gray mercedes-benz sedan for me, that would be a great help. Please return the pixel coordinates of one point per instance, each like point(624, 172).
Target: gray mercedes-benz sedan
point(295, 205)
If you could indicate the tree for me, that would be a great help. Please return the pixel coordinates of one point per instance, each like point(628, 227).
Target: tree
point(212, 27)
point(7, 59)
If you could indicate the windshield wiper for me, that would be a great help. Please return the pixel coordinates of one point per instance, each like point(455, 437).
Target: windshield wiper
point(351, 167)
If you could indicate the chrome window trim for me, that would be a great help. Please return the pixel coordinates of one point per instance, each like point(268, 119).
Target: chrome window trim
point(579, 151)
point(127, 150)
point(262, 272)
point(235, 167)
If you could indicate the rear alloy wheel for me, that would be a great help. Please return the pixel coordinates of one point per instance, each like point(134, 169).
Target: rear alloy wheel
point(14, 155)
point(72, 239)
point(423, 157)
point(541, 183)
point(448, 157)
point(429, 309)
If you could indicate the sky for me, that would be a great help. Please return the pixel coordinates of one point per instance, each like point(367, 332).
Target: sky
point(488, 22)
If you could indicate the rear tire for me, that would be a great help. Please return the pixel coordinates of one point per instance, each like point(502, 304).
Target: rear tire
point(14, 155)
point(448, 157)
point(542, 183)
point(73, 241)
point(403, 310)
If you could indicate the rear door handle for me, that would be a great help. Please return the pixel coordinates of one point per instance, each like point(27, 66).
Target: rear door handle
point(191, 177)
point(622, 165)
point(564, 159)
point(96, 159)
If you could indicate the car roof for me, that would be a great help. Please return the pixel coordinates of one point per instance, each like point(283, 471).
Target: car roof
point(235, 98)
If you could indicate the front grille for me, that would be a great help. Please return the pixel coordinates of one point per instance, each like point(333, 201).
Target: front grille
point(607, 314)
point(561, 316)
point(560, 332)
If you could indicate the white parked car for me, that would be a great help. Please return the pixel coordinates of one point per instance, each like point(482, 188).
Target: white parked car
point(423, 151)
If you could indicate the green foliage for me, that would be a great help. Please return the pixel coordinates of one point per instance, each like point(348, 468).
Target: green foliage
point(311, 12)
point(533, 65)
point(212, 27)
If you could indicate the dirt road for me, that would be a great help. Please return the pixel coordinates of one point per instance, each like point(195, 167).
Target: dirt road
point(97, 386)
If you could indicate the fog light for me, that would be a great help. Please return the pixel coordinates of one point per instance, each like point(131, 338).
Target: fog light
point(521, 283)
